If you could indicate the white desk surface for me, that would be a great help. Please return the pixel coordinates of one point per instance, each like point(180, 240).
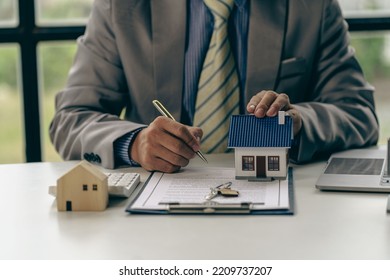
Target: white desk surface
point(326, 225)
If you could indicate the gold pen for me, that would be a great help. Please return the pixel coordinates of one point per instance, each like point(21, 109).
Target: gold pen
point(165, 113)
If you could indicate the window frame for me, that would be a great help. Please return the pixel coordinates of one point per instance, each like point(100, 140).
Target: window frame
point(248, 163)
point(28, 34)
point(273, 163)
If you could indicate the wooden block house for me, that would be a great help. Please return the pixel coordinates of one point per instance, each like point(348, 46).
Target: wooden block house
point(83, 188)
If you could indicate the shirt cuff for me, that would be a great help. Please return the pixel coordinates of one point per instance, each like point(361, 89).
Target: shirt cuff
point(121, 149)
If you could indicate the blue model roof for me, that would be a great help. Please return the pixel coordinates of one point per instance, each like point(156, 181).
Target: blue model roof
point(250, 131)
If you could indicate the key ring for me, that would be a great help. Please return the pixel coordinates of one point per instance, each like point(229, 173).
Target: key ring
point(215, 191)
point(224, 186)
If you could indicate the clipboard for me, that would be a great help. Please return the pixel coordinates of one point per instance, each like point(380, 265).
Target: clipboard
point(143, 202)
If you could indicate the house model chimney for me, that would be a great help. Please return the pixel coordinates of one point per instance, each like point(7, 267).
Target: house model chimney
point(282, 117)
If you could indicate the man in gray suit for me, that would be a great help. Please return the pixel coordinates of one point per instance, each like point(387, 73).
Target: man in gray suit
point(290, 55)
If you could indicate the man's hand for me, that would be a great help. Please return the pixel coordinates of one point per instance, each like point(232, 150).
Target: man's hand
point(269, 103)
point(165, 145)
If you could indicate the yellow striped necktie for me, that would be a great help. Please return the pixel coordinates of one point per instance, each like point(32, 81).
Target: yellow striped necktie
point(218, 88)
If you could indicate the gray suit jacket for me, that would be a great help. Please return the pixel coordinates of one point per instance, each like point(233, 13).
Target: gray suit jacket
point(133, 52)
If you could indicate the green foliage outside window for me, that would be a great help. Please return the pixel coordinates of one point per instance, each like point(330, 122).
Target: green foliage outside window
point(67, 11)
point(370, 51)
point(8, 69)
point(7, 10)
point(11, 125)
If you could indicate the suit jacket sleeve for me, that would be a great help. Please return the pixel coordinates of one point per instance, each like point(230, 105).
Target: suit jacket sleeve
point(87, 112)
point(341, 114)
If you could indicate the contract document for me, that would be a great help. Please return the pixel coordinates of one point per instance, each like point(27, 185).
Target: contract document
point(186, 191)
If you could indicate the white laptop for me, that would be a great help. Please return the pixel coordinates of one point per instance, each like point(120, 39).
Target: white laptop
point(362, 170)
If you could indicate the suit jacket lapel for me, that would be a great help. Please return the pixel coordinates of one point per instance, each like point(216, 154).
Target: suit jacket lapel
point(169, 28)
point(265, 44)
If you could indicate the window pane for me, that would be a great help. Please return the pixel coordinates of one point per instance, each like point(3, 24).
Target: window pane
point(273, 163)
point(373, 52)
point(53, 75)
point(8, 11)
point(248, 163)
point(62, 12)
point(11, 124)
point(365, 8)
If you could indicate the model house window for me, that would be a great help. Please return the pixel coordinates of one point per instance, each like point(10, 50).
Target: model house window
point(273, 163)
point(94, 187)
point(248, 163)
point(85, 188)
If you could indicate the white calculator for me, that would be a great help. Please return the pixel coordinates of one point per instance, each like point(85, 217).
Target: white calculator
point(122, 184)
point(119, 184)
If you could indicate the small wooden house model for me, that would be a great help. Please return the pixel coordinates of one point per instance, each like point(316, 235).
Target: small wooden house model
point(83, 188)
point(261, 146)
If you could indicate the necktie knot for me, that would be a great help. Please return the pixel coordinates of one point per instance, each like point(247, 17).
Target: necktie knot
point(220, 9)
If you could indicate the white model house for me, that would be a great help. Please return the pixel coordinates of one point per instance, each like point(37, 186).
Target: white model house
point(261, 146)
point(83, 188)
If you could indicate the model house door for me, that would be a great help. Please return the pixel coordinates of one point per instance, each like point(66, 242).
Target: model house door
point(260, 167)
point(68, 205)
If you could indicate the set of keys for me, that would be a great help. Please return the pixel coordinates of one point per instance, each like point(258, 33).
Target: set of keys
point(223, 189)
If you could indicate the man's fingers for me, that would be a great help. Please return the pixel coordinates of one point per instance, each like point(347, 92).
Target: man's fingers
point(159, 164)
point(197, 134)
point(261, 103)
point(179, 131)
point(162, 159)
point(268, 103)
point(281, 103)
point(150, 151)
point(165, 145)
point(252, 106)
